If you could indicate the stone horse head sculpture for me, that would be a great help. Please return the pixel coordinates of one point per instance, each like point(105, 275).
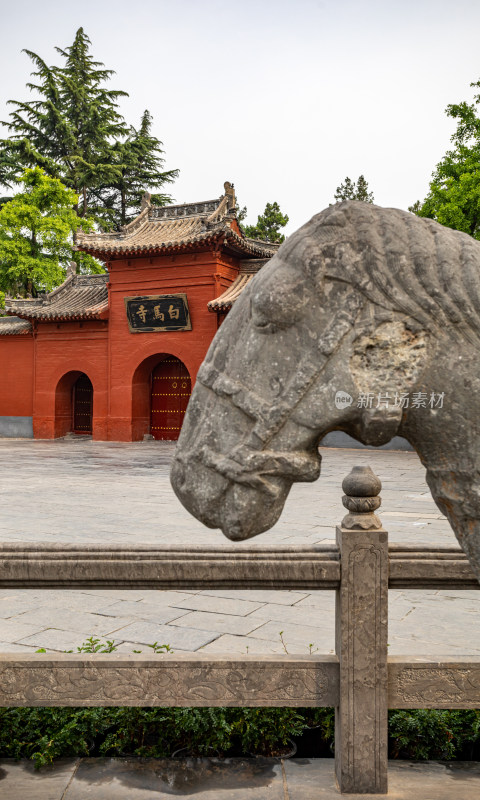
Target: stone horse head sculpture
point(367, 320)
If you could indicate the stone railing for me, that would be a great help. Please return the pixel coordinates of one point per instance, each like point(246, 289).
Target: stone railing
point(361, 681)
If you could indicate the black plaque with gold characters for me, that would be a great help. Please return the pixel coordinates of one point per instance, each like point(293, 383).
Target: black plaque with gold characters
point(160, 312)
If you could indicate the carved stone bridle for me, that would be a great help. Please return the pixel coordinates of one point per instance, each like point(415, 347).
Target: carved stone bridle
point(251, 462)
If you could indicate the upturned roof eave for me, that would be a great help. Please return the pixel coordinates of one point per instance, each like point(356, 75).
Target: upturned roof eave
point(110, 254)
point(227, 238)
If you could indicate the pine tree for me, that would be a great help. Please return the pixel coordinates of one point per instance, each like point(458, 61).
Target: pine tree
point(268, 225)
point(74, 131)
point(346, 190)
point(362, 190)
point(349, 190)
point(68, 131)
point(139, 159)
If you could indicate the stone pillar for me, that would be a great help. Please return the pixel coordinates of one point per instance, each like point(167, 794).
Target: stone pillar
point(361, 724)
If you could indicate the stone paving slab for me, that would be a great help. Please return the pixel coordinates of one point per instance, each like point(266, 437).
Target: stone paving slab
point(84, 491)
point(158, 612)
point(220, 623)
point(228, 643)
point(312, 779)
point(286, 598)
point(237, 607)
point(299, 634)
point(20, 780)
point(67, 619)
point(226, 779)
point(189, 639)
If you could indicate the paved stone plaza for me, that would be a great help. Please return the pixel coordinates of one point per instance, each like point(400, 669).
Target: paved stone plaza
point(80, 491)
point(226, 779)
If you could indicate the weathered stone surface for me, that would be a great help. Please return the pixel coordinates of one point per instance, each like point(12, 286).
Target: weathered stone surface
point(432, 683)
point(20, 779)
point(146, 632)
point(186, 567)
point(305, 567)
point(361, 499)
point(149, 778)
point(314, 779)
point(222, 623)
point(167, 680)
point(226, 779)
point(360, 303)
point(361, 726)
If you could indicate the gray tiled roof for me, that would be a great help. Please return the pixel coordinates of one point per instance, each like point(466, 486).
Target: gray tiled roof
point(13, 326)
point(248, 269)
point(167, 228)
point(79, 297)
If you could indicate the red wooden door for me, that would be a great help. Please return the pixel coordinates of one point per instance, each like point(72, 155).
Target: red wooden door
point(171, 389)
point(82, 405)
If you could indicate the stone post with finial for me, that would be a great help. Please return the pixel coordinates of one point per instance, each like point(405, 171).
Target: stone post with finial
point(361, 723)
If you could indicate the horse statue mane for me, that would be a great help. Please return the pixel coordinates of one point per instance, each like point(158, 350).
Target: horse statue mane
point(367, 320)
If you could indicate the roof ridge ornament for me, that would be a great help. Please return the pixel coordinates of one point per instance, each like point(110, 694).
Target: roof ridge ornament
point(230, 195)
point(146, 201)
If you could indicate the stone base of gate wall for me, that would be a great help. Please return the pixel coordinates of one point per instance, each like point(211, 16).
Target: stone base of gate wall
point(16, 427)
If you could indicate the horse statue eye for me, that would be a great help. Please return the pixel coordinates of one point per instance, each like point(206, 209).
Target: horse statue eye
point(279, 304)
point(264, 326)
point(260, 321)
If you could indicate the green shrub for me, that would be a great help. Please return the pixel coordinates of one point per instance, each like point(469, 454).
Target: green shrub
point(203, 731)
point(43, 734)
point(47, 733)
point(264, 730)
point(136, 731)
point(431, 734)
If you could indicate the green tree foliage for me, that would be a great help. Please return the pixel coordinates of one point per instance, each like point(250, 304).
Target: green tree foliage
point(268, 224)
point(454, 196)
point(241, 213)
point(37, 227)
point(138, 159)
point(349, 190)
point(73, 130)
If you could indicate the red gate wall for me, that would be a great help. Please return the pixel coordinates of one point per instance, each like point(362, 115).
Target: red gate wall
point(16, 375)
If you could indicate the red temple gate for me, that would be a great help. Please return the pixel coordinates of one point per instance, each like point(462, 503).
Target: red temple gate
point(171, 389)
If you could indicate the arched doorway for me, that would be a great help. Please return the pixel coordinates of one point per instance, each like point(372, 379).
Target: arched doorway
point(170, 393)
point(82, 405)
point(73, 404)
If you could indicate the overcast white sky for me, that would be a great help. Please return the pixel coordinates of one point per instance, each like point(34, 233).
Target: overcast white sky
point(283, 98)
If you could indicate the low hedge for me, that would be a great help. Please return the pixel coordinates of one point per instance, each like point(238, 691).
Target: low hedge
point(43, 734)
